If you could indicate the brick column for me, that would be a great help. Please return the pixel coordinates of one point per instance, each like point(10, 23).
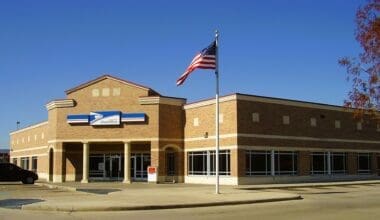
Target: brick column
point(374, 163)
point(59, 163)
point(127, 162)
point(157, 159)
point(241, 162)
point(352, 163)
point(86, 162)
point(304, 161)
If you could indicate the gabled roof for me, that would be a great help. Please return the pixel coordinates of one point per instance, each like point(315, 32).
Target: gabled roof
point(81, 86)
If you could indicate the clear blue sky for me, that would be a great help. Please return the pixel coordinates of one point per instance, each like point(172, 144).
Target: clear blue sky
point(284, 48)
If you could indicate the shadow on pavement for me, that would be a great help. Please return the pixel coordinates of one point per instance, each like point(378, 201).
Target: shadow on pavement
point(17, 203)
point(315, 193)
point(99, 191)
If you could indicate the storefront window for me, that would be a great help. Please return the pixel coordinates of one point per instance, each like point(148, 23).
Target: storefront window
point(25, 163)
point(197, 163)
point(258, 163)
point(224, 162)
point(34, 164)
point(204, 163)
point(319, 163)
point(285, 163)
point(338, 163)
point(364, 163)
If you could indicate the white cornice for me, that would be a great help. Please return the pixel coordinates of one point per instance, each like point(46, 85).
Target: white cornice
point(209, 102)
point(270, 100)
point(283, 137)
point(64, 103)
point(291, 103)
point(152, 100)
point(30, 127)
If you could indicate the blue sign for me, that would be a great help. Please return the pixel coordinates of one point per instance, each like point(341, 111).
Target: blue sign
point(106, 118)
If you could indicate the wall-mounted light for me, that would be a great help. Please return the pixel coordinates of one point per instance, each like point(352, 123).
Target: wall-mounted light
point(205, 135)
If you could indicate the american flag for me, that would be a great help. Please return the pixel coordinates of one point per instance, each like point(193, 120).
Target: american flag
point(206, 59)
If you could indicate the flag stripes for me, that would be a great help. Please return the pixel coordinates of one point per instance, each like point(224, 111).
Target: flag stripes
point(206, 59)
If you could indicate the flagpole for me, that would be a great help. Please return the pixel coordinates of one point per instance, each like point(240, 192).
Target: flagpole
point(217, 113)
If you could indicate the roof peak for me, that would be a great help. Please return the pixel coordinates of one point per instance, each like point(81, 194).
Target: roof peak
point(108, 76)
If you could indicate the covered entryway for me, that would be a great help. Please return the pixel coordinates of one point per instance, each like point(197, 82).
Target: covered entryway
point(105, 161)
point(108, 166)
point(139, 166)
point(171, 164)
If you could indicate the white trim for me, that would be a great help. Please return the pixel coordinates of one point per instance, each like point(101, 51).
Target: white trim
point(60, 104)
point(115, 140)
point(29, 149)
point(42, 175)
point(202, 138)
point(231, 147)
point(270, 100)
point(210, 102)
point(161, 100)
point(203, 179)
point(29, 127)
point(290, 148)
point(30, 155)
point(268, 136)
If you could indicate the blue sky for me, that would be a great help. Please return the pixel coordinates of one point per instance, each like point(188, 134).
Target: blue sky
point(284, 48)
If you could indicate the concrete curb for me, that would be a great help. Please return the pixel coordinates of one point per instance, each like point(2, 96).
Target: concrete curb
point(43, 207)
point(52, 186)
point(310, 185)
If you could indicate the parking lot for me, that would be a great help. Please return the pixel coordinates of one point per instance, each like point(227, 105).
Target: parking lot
point(327, 202)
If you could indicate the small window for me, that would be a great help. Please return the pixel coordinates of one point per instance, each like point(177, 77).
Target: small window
point(255, 117)
point(364, 163)
point(116, 91)
point(105, 92)
point(34, 164)
point(286, 119)
point(313, 122)
point(196, 122)
point(220, 118)
point(95, 92)
point(337, 124)
point(359, 126)
point(25, 163)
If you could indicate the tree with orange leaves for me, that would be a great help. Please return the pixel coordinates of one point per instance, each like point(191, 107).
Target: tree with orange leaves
point(364, 71)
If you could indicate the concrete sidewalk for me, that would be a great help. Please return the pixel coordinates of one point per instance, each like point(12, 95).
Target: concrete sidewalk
point(143, 196)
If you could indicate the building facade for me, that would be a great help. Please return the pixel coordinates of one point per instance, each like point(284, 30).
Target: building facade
point(113, 129)
point(4, 156)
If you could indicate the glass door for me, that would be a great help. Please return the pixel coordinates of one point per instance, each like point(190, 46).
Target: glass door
point(139, 166)
point(115, 167)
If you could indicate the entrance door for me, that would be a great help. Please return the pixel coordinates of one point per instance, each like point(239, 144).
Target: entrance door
point(115, 167)
point(139, 166)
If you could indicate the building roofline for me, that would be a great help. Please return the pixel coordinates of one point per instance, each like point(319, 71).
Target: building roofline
point(163, 96)
point(107, 76)
point(266, 99)
point(29, 127)
point(292, 100)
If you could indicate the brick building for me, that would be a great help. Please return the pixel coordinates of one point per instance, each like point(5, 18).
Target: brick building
point(113, 129)
point(4, 156)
